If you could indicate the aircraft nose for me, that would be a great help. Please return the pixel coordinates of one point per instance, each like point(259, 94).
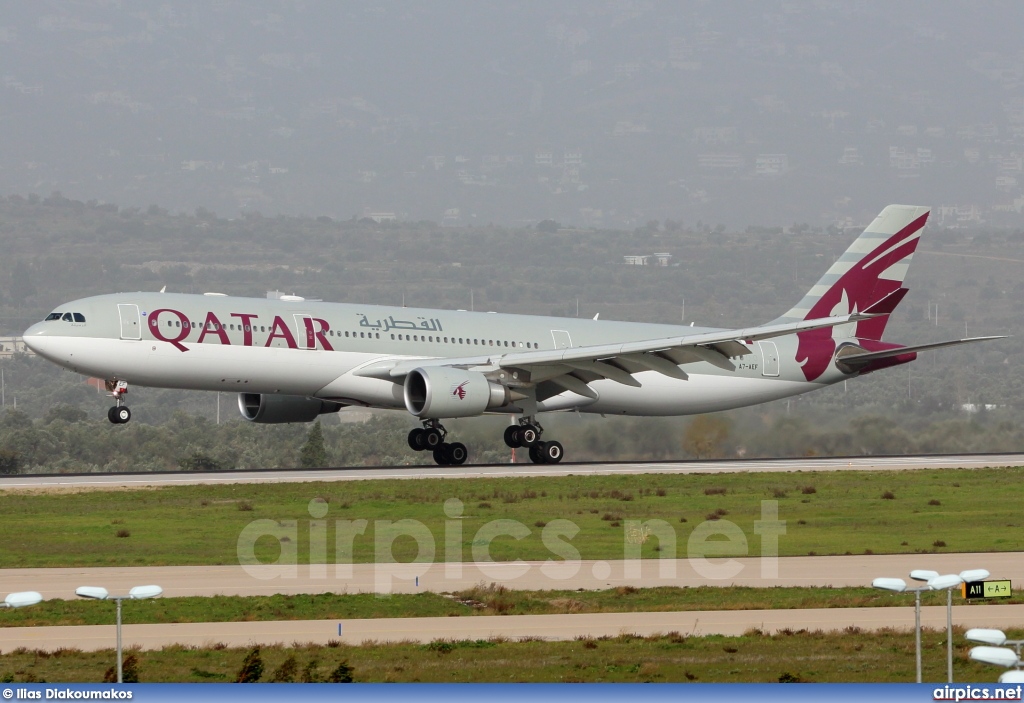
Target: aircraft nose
point(33, 336)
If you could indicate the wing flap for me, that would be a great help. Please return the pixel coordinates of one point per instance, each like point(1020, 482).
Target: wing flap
point(719, 345)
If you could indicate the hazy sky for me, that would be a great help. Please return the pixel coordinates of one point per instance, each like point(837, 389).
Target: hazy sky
point(592, 113)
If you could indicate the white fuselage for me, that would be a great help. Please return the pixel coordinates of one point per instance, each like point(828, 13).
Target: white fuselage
point(302, 348)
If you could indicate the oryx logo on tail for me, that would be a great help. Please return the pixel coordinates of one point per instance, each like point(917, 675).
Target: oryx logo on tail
point(868, 277)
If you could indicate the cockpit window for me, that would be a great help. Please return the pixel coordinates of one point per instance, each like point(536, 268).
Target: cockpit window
point(53, 316)
point(79, 317)
point(67, 317)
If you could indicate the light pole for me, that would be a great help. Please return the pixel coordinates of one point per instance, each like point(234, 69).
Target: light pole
point(997, 654)
point(21, 599)
point(1000, 656)
point(934, 582)
point(900, 586)
point(137, 593)
point(948, 583)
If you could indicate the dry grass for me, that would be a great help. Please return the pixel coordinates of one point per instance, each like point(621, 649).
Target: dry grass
point(853, 656)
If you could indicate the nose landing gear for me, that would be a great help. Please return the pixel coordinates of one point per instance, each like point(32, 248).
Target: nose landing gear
point(119, 414)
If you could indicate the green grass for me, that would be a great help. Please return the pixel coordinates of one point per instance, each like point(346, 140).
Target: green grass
point(481, 600)
point(852, 656)
point(825, 513)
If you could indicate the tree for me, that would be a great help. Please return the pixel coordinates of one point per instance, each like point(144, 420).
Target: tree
point(310, 673)
point(67, 413)
point(286, 672)
point(252, 667)
point(129, 670)
point(200, 461)
point(341, 674)
point(548, 226)
point(313, 454)
point(15, 420)
point(10, 462)
point(705, 436)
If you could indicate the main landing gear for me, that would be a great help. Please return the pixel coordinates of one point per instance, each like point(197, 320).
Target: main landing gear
point(528, 434)
point(431, 439)
point(119, 414)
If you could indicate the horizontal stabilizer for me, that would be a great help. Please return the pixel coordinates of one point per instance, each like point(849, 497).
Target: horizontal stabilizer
point(860, 358)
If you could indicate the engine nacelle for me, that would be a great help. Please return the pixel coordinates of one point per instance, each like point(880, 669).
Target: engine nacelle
point(439, 392)
point(277, 409)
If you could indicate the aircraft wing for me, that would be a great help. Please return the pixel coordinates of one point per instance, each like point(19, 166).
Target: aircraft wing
point(573, 367)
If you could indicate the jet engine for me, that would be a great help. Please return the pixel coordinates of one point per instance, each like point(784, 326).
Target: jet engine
point(276, 409)
point(439, 392)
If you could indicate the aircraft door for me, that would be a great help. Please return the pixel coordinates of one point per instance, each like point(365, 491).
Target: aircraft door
point(305, 338)
point(561, 339)
point(769, 359)
point(131, 326)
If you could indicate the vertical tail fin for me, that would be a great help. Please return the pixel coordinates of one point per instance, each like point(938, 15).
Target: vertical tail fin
point(869, 276)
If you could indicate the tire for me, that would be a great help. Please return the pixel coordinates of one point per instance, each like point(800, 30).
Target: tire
point(528, 435)
point(416, 440)
point(441, 455)
point(122, 414)
point(432, 439)
point(553, 452)
point(537, 453)
point(512, 437)
point(457, 454)
point(111, 416)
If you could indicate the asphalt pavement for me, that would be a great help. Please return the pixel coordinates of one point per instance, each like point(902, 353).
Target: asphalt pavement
point(143, 480)
point(550, 627)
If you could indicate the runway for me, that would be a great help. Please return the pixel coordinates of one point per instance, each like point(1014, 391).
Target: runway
point(234, 580)
point(869, 463)
point(550, 627)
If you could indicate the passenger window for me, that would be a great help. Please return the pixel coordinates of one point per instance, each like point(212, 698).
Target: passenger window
point(378, 334)
point(392, 336)
point(362, 335)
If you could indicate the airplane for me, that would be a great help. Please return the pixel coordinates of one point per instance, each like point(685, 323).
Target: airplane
point(292, 360)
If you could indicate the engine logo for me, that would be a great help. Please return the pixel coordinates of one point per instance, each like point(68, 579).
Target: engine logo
point(459, 391)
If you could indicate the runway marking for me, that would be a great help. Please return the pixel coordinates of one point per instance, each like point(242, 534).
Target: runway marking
point(525, 470)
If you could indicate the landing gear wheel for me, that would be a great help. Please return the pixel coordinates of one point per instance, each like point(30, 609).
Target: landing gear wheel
point(441, 455)
point(512, 437)
point(416, 440)
point(537, 453)
point(432, 438)
point(457, 453)
point(528, 435)
point(111, 416)
point(121, 415)
point(552, 452)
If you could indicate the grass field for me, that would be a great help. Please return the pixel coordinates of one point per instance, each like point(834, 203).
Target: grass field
point(481, 600)
point(852, 656)
point(955, 510)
